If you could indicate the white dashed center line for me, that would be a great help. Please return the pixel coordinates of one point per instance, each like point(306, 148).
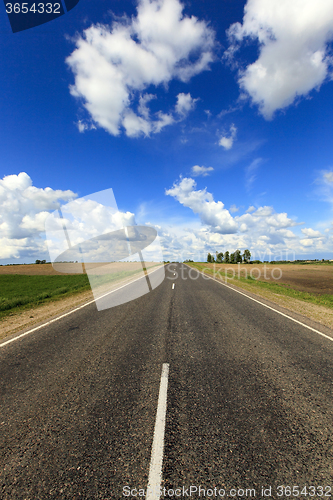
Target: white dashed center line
point(156, 460)
point(173, 286)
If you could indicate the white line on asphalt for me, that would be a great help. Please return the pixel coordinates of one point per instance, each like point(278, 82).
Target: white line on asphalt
point(156, 460)
point(70, 312)
point(173, 286)
point(269, 307)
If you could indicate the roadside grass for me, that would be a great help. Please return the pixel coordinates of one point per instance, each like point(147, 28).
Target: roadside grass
point(277, 288)
point(20, 292)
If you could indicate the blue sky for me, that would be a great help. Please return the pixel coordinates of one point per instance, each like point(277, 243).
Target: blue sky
point(211, 121)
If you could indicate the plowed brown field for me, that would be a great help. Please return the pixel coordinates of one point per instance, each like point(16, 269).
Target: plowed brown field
point(311, 278)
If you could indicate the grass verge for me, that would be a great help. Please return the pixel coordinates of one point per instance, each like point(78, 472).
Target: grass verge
point(277, 288)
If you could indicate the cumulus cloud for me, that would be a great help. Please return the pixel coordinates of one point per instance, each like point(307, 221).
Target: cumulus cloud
point(228, 140)
point(113, 65)
point(294, 52)
point(185, 104)
point(203, 171)
point(23, 210)
point(311, 233)
point(266, 233)
point(202, 203)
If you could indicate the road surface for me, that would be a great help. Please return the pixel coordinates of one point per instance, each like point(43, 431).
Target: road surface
point(249, 400)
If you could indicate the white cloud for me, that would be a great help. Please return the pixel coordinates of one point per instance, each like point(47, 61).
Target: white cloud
point(311, 233)
point(23, 210)
point(113, 65)
point(202, 203)
point(203, 171)
point(294, 55)
point(227, 141)
point(262, 230)
point(185, 104)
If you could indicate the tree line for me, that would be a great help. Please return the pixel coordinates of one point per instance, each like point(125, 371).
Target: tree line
point(230, 258)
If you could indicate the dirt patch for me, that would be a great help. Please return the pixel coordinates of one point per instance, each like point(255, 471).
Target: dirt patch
point(310, 278)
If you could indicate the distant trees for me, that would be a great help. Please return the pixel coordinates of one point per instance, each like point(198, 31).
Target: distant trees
point(237, 256)
point(230, 258)
point(246, 256)
point(219, 257)
point(40, 261)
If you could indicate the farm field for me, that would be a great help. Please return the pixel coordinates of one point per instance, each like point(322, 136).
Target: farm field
point(29, 285)
point(309, 278)
point(68, 268)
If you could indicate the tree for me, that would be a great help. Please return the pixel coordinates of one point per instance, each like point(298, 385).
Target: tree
point(209, 257)
point(246, 256)
point(237, 256)
point(232, 258)
point(226, 257)
point(219, 257)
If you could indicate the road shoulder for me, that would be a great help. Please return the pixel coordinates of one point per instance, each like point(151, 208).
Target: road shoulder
point(313, 315)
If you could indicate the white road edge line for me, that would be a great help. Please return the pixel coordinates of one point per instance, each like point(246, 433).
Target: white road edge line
point(156, 460)
point(268, 307)
point(173, 286)
point(71, 312)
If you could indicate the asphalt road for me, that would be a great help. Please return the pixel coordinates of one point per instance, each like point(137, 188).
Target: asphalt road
point(249, 400)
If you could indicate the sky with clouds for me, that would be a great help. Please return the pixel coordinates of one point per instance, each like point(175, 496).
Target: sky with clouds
point(210, 121)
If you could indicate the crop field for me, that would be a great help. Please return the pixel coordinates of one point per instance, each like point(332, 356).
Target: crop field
point(22, 290)
point(310, 282)
point(28, 285)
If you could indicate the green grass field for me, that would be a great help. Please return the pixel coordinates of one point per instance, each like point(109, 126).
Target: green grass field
point(21, 291)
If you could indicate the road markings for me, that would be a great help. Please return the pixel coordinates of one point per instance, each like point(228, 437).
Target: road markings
point(173, 286)
point(71, 312)
point(156, 460)
point(268, 307)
